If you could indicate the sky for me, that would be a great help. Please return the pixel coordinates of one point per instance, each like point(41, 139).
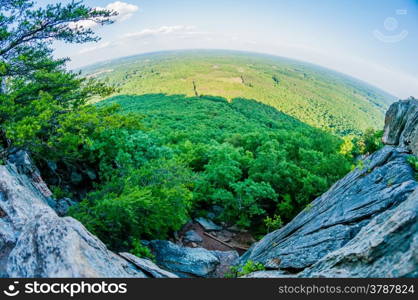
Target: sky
point(373, 40)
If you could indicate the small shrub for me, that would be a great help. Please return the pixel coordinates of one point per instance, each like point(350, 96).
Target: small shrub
point(273, 223)
point(308, 207)
point(59, 193)
point(371, 141)
point(248, 268)
point(390, 182)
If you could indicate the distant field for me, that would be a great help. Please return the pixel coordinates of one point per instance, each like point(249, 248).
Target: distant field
point(314, 95)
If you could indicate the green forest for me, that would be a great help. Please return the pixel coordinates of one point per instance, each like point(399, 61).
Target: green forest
point(314, 95)
point(141, 163)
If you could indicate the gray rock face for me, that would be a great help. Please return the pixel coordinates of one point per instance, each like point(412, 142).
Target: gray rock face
point(386, 247)
point(268, 274)
point(35, 242)
point(184, 261)
point(63, 205)
point(49, 246)
point(193, 262)
point(227, 259)
point(192, 236)
point(337, 216)
point(208, 225)
point(401, 125)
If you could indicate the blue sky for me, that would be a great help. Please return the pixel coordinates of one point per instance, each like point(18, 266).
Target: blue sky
point(374, 40)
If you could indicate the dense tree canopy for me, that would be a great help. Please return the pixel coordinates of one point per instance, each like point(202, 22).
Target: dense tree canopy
point(260, 166)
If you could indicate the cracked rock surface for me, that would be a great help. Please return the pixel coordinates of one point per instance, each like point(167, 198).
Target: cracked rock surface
point(35, 242)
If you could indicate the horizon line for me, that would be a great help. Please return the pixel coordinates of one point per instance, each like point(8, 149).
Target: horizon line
point(239, 51)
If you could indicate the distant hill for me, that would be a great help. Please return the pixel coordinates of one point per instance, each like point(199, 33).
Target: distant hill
point(315, 95)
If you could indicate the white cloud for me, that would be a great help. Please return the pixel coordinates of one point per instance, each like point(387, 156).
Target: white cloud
point(124, 10)
point(83, 24)
point(177, 31)
point(95, 48)
point(163, 30)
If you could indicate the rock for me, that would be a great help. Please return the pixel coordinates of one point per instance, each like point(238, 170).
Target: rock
point(335, 218)
point(21, 161)
point(76, 178)
point(24, 166)
point(184, 261)
point(268, 274)
point(50, 246)
point(401, 125)
point(192, 236)
point(91, 174)
point(208, 225)
point(227, 259)
point(63, 205)
point(193, 262)
point(35, 242)
point(148, 266)
point(211, 216)
point(386, 247)
point(214, 212)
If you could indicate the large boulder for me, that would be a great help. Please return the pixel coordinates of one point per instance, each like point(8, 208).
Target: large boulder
point(385, 180)
point(401, 125)
point(193, 262)
point(35, 242)
point(386, 247)
point(227, 259)
point(184, 261)
point(50, 246)
point(208, 225)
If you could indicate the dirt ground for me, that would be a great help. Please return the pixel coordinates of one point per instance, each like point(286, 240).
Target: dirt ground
point(223, 240)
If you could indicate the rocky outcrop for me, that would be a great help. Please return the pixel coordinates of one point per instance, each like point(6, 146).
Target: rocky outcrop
point(401, 125)
point(337, 216)
point(148, 266)
point(35, 242)
point(385, 247)
point(192, 262)
point(208, 225)
point(192, 236)
point(365, 225)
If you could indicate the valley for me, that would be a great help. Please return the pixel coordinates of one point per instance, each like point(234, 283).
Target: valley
point(317, 96)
